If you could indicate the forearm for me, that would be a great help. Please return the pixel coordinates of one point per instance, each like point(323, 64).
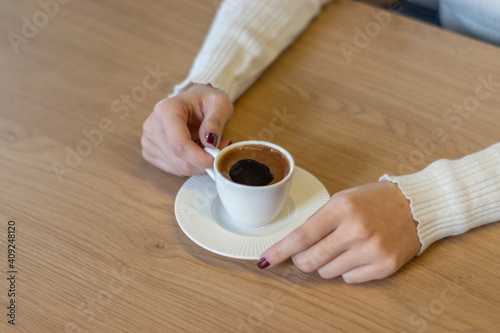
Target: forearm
point(451, 197)
point(245, 37)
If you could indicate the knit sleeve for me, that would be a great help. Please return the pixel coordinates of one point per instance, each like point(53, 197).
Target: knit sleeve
point(450, 197)
point(245, 37)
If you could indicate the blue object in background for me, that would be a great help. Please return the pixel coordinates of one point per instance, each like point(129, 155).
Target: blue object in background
point(417, 11)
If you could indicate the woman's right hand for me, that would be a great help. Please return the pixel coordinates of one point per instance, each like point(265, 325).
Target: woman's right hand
point(179, 126)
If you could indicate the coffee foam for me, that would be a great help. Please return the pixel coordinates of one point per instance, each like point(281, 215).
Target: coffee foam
point(275, 160)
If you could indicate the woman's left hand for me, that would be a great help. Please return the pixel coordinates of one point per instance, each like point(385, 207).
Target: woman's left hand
point(362, 234)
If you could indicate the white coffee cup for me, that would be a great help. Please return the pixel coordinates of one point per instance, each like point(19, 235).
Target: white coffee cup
point(251, 206)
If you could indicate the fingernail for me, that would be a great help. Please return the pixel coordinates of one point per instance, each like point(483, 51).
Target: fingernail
point(211, 139)
point(230, 143)
point(263, 263)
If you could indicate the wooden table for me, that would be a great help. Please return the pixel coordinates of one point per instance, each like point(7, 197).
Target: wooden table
point(98, 248)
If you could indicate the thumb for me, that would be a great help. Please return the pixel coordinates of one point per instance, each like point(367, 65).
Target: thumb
point(218, 110)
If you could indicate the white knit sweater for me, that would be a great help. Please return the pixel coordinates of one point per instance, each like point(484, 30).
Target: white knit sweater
point(447, 198)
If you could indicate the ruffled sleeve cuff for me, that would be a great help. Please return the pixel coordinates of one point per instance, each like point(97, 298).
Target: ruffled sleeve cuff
point(450, 197)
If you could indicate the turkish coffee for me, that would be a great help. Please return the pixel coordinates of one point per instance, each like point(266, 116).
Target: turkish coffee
point(254, 165)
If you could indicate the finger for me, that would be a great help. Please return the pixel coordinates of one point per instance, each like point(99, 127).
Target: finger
point(153, 139)
point(151, 149)
point(170, 164)
point(159, 163)
point(313, 230)
point(343, 263)
point(164, 152)
point(217, 110)
point(365, 273)
point(224, 143)
point(323, 252)
point(150, 145)
point(178, 138)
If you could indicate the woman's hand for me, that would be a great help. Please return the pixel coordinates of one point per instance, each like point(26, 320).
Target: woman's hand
point(178, 127)
point(362, 234)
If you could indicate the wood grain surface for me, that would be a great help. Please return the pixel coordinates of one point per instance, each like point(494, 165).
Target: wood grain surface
point(98, 248)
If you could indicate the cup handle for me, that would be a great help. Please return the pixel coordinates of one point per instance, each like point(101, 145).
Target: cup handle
point(214, 152)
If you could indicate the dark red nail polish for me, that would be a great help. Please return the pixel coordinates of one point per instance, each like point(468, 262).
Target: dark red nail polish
point(263, 263)
point(230, 143)
point(211, 139)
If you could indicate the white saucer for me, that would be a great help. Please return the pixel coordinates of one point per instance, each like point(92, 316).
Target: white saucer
point(202, 217)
